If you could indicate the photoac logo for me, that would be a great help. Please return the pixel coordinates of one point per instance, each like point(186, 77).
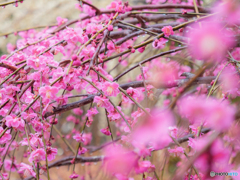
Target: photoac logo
point(212, 174)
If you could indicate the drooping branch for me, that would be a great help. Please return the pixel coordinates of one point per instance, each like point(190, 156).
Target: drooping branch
point(67, 161)
point(134, 84)
point(98, 11)
point(11, 2)
point(147, 60)
point(79, 159)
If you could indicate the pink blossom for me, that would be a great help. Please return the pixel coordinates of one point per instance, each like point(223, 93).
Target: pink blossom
point(72, 118)
point(145, 166)
point(82, 150)
point(34, 139)
point(9, 165)
point(87, 52)
point(167, 30)
point(6, 136)
point(230, 81)
point(141, 49)
point(91, 112)
point(48, 92)
point(119, 160)
point(51, 153)
point(110, 27)
point(164, 74)
point(26, 170)
point(209, 42)
point(29, 97)
point(74, 175)
point(92, 28)
point(61, 21)
point(111, 89)
point(228, 10)
point(78, 111)
point(218, 115)
point(218, 155)
point(36, 63)
point(15, 122)
point(159, 43)
point(173, 131)
point(154, 129)
point(37, 155)
point(155, 1)
point(103, 102)
point(106, 131)
point(134, 93)
point(5, 176)
point(78, 137)
point(177, 151)
point(89, 10)
point(87, 138)
point(114, 115)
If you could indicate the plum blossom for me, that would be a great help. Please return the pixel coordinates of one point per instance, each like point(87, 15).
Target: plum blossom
point(167, 31)
point(34, 139)
point(230, 81)
point(154, 129)
point(110, 27)
point(37, 155)
point(115, 115)
point(8, 165)
point(218, 115)
point(177, 151)
point(106, 131)
point(15, 122)
point(82, 150)
point(229, 10)
point(51, 153)
point(110, 89)
point(159, 43)
point(73, 176)
point(61, 21)
point(26, 170)
point(6, 137)
point(78, 137)
point(48, 92)
point(87, 138)
point(119, 160)
point(36, 62)
point(209, 42)
point(103, 102)
point(145, 166)
point(134, 93)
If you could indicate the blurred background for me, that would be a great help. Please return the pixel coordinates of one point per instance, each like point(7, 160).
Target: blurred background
point(39, 13)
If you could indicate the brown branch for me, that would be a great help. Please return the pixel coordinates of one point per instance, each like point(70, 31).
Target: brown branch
point(21, 30)
point(98, 11)
point(10, 67)
point(11, 2)
point(135, 84)
point(27, 46)
point(67, 160)
point(95, 55)
point(168, 6)
point(147, 60)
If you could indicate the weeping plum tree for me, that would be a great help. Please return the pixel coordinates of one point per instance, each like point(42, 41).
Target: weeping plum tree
point(179, 98)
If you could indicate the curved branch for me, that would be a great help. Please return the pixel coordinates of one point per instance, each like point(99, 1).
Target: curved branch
point(67, 160)
point(98, 11)
point(10, 67)
point(147, 60)
point(11, 2)
point(135, 84)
